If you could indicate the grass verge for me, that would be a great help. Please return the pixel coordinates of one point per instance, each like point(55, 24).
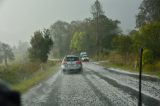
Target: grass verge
point(22, 76)
point(149, 70)
point(35, 79)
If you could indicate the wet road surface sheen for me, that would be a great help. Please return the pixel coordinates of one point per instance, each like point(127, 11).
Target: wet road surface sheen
point(96, 86)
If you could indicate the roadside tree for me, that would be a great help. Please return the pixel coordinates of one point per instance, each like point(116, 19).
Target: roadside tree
point(6, 53)
point(41, 44)
point(149, 12)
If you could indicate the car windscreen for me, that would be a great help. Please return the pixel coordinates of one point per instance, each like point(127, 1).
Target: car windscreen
point(72, 58)
point(85, 56)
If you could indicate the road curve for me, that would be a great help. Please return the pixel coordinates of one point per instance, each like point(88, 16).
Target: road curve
point(96, 86)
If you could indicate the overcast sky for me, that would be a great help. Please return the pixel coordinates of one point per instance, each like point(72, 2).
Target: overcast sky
point(20, 18)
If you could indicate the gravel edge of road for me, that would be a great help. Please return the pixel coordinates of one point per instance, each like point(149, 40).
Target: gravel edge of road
point(132, 74)
point(146, 98)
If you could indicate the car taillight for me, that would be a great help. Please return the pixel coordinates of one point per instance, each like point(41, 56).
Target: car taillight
point(64, 62)
point(78, 62)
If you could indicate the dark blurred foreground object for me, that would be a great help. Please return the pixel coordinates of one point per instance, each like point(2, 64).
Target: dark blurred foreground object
point(8, 97)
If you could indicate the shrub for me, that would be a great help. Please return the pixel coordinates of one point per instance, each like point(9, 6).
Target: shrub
point(148, 56)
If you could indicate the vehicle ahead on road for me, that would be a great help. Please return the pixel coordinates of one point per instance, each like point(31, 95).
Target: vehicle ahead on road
point(85, 58)
point(71, 63)
point(82, 54)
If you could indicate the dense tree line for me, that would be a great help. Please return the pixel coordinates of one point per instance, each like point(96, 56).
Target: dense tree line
point(147, 34)
point(149, 12)
point(92, 34)
point(99, 34)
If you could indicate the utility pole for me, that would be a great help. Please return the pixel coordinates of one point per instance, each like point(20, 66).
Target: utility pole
point(140, 78)
point(97, 23)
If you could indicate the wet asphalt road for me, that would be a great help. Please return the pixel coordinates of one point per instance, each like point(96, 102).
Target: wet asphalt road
point(96, 86)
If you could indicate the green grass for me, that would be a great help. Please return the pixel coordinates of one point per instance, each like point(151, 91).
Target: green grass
point(35, 79)
point(147, 69)
point(22, 76)
point(116, 60)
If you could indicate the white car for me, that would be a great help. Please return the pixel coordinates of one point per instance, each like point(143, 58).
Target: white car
point(85, 58)
point(83, 53)
point(71, 63)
